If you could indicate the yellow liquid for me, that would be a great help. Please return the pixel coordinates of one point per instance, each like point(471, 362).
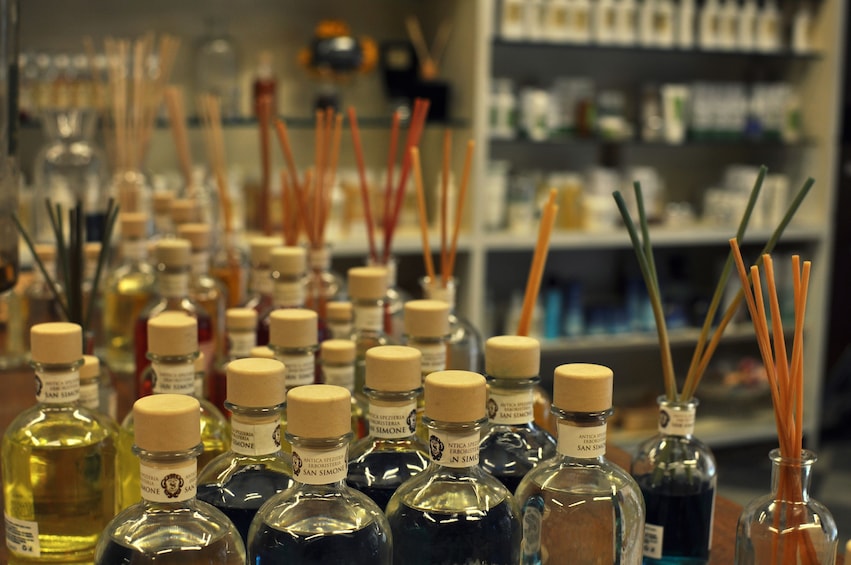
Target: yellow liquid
point(59, 471)
point(123, 304)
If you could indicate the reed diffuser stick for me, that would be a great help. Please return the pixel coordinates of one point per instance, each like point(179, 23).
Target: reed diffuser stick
point(421, 207)
point(444, 204)
point(539, 261)
point(391, 161)
point(177, 121)
point(364, 186)
point(459, 207)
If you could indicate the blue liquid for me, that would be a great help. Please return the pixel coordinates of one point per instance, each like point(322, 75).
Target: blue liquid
point(366, 546)
point(378, 474)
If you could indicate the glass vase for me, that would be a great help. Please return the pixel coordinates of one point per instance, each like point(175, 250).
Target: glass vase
point(787, 526)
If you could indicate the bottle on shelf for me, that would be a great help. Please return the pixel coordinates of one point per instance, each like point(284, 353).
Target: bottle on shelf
point(239, 481)
point(173, 350)
point(625, 22)
point(512, 20)
point(728, 21)
point(240, 339)
point(554, 20)
point(169, 525)
point(746, 26)
point(39, 304)
point(514, 443)
point(580, 21)
point(323, 284)
point(709, 25)
point(289, 271)
point(319, 519)
point(578, 503)
point(427, 331)
point(339, 320)
point(603, 18)
point(216, 66)
point(58, 458)
point(392, 453)
point(454, 511)
point(260, 277)
point(767, 37)
point(367, 291)
point(96, 390)
point(646, 23)
point(465, 341)
point(802, 23)
point(684, 22)
point(337, 362)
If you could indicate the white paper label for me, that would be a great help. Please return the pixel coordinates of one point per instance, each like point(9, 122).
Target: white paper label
point(676, 422)
point(433, 357)
point(340, 330)
point(255, 439)
point(393, 422)
point(341, 375)
point(515, 408)
point(653, 536)
point(200, 263)
point(241, 343)
point(261, 281)
point(173, 285)
point(454, 450)
point(289, 294)
point(175, 484)
point(22, 537)
point(585, 443)
point(57, 387)
point(300, 369)
point(369, 318)
point(90, 396)
point(174, 378)
point(135, 249)
point(320, 466)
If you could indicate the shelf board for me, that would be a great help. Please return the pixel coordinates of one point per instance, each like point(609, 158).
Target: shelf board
point(405, 242)
point(498, 144)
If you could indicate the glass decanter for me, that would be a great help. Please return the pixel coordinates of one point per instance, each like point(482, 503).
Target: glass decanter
point(465, 341)
point(367, 290)
point(337, 363)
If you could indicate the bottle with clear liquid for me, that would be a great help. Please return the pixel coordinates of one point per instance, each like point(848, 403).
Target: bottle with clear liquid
point(339, 320)
point(96, 390)
point(454, 511)
point(172, 350)
point(514, 443)
point(239, 481)
point(217, 68)
point(337, 362)
point(319, 519)
point(260, 276)
point(40, 305)
point(289, 284)
point(465, 341)
point(677, 476)
point(579, 503)
point(394, 301)
point(323, 284)
point(427, 331)
point(58, 458)
point(241, 338)
point(367, 291)
point(169, 526)
point(392, 453)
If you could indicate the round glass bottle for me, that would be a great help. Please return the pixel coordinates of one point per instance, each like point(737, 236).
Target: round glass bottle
point(337, 361)
point(367, 290)
point(465, 341)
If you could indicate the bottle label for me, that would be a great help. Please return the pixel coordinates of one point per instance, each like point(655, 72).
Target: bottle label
point(433, 357)
point(174, 378)
point(57, 387)
point(653, 536)
point(514, 408)
point(369, 318)
point(22, 537)
point(454, 450)
point(255, 439)
point(135, 249)
point(676, 422)
point(173, 285)
point(90, 396)
point(532, 526)
point(320, 466)
point(261, 281)
point(393, 422)
point(289, 294)
point(171, 484)
point(584, 443)
point(241, 343)
point(343, 376)
point(300, 369)
point(200, 263)
point(340, 330)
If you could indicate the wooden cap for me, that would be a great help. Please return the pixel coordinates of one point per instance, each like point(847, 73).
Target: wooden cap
point(260, 249)
point(45, 251)
point(199, 236)
point(293, 327)
point(262, 352)
point(367, 283)
point(339, 311)
point(167, 422)
point(240, 319)
point(91, 250)
point(172, 334)
point(183, 211)
point(455, 396)
point(339, 351)
point(56, 343)
point(512, 357)
point(426, 318)
point(319, 411)
point(162, 201)
point(393, 368)
point(173, 252)
point(134, 225)
point(289, 260)
point(90, 368)
point(256, 383)
point(582, 387)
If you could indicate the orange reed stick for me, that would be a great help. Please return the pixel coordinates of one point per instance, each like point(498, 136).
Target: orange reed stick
point(781, 363)
point(287, 150)
point(364, 187)
point(459, 208)
point(332, 168)
point(177, 120)
point(391, 161)
point(539, 260)
point(421, 207)
point(264, 114)
point(444, 199)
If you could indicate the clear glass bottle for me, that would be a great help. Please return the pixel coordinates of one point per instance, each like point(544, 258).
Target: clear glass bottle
point(12, 352)
point(183, 211)
point(787, 526)
point(454, 511)
point(169, 526)
point(465, 341)
point(58, 458)
point(339, 320)
point(514, 443)
point(40, 304)
point(96, 390)
point(319, 519)
point(337, 362)
point(367, 290)
point(163, 226)
point(392, 453)
point(394, 301)
point(217, 67)
point(427, 330)
point(289, 283)
point(240, 338)
point(260, 276)
point(172, 350)
point(94, 333)
point(240, 481)
point(323, 284)
point(677, 476)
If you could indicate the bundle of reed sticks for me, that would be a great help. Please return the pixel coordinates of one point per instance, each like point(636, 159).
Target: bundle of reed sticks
point(214, 141)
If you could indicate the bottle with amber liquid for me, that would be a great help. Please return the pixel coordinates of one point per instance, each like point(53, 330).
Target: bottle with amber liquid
point(337, 362)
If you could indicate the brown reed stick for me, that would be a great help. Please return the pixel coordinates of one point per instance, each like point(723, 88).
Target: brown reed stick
point(177, 121)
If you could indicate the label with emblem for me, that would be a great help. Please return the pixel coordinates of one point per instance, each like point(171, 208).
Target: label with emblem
point(174, 378)
point(255, 439)
point(57, 387)
point(168, 484)
point(584, 443)
point(90, 396)
point(677, 421)
point(433, 356)
point(369, 318)
point(173, 285)
point(510, 408)
point(289, 294)
point(240, 343)
point(454, 450)
point(393, 422)
point(320, 466)
point(340, 375)
point(22, 537)
point(300, 369)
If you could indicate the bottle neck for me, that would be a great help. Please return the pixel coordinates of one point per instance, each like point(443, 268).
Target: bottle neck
point(57, 385)
point(368, 316)
point(200, 262)
point(172, 282)
point(260, 280)
point(433, 350)
point(173, 374)
point(134, 250)
point(240, 343)
point(392, 415)
point(339, 374)
point(511, 401)
point(319, 259)
point(340, 329)
point(454, 445)
point(288, 291)
point(299, 363)
point(255, 431)
point(676, 418)
point(320, 462)
point(90, 392)
point(790, 477)
point(582, 435)
point(168, 479)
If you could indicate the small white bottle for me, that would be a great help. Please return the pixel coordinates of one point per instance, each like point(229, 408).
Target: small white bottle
point(709, 19)
point(768, 27)
point(580, 21)
point(728, 19)
point(745, 26)
point(503, 111)
point(646, 17)
point(801, 30)
point(512, 22)
point(625, 22)
point(663, 24)
point(556, 21)
point(603, 19)
point(533, 20)
point(685, 24)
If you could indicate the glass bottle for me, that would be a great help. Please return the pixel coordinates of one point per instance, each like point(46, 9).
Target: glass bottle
point(58, 458)
point(260, 277)
point(40, 304)
point(367, 290)
point(12, 352)
point(289, 271)
point(392, 453)
point(241, 337)
point(217, 68)
point(454, 511)
point(240, 481)
point(579, 503)
point(394, 301)
point(229, 266)
point(172, 350)
point(514, 443)
point(323, 284)
point(337, 362)
point(94, 333)
point(339, 319)
point(787, 526)
point(677, 476)
point(465, 341)
point(126, 292)
point(96, 390)
point(319, 519)
point(169, 526)
point(163, 226)
point(172, 294)
point(183, 211)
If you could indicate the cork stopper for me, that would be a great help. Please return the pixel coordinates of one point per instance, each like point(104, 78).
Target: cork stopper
point(260, 249)
point(201, 363)
point(183, 211)
point(339, 311)
point(90, 368)
point(293, 328)
point(426, 318)
point(56, 343)
point(162, 202)
point(367, 283)
point(455, 396)
point(45, 251)
point(337, 351)
point(262, 352)
point(289, 260)
point(512, 357)
point(91, 251)
point(393, 368)
point(173, 253)
point(240, 319)
point(256, 383)
point(172, 334)
point(199, 236)
point(167, 422)
point(134, 225)
point(582, 387)
point(319, 411)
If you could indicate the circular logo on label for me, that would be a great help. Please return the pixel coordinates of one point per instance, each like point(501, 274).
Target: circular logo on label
point(493, 408)
point(664, 419)
point(412, 420)
point(172, 484)
point(436, 447)
point(531, 531)
point(276, 436)
point(297, 463)
point(38, 385)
